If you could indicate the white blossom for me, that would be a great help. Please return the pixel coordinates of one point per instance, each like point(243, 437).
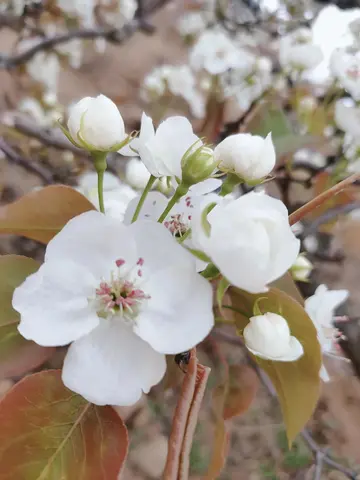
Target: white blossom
point(321, 309)
point(214, 52)
point(301, 269)
point(251, 157)
point(347, 116)
point(136, 174)
point(268, 336)
point(351, 150)
point(192, 23)
point(297, 52)
point(82, 9)
point(345, 66)
point(117, 195)
point(43, 67)
point(123, 296)
point(249, 239)
point(162, 150)
point(97, 122)
point(177, 80)
point(119, 12)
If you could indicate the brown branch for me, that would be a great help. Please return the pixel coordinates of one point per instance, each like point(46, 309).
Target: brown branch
point(28, 164)
point(323, 197)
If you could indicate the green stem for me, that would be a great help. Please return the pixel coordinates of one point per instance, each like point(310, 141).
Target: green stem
point(100, 166)
point(179, 192)
point(147, 189)
point(229, 184)
point(185, 236)
point(100, 174)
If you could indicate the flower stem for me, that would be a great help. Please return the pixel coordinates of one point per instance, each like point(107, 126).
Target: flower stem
point(179, 192)
point(101, 191)
point(142, 198)
point(100, 166)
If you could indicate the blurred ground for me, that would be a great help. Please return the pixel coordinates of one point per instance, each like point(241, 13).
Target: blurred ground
point(258, 447)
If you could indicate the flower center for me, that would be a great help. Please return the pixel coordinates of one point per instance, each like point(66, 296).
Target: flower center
point(121, 296)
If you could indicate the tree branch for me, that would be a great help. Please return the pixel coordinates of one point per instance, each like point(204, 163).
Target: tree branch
point(28, 164)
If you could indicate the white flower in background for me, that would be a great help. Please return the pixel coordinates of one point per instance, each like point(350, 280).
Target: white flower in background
point(119, 12)
point(123, 296)
point(354, 27)
point(345, 66)
point(321, 309)
point(214, 52)
point(162, 150)
point(33, 108)
point(251, 157)
point(117, 195)
point(192, 23)
point(347, 116)
point(249, 239)
point(297, 228)
point(301, 269)
point(74, 50)
point(97, 122)
point(82, 9)
point(305, 155)
point(18, 7)
point(44, 67)
point(330, 30)
point(297, 52)
point(177, 80)
point(248, 82)
point(351, 150)
point(136, 174)
point(268, 336)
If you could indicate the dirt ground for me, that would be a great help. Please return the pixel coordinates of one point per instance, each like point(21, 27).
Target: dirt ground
point(257, 446)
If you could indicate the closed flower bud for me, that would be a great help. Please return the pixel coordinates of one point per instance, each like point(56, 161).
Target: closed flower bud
point(197, 164)
point(268, 336)
point(96, 124)
point(251, 157)
point(301, 269)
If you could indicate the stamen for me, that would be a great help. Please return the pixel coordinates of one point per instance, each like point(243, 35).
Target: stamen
point(120, 262)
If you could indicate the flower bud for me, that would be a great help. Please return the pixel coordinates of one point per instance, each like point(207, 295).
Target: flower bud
point(301, 269)
point(268, 336)
point(251, 157)
point(96, 124)
point(136, 174)
point(197, 164)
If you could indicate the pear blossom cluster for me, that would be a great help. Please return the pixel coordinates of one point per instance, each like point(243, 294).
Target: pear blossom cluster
point(126, 284)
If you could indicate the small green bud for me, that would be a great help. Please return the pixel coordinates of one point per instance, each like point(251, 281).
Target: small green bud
point(197, 164)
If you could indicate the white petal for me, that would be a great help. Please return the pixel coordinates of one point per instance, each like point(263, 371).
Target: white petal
point(53, 304)
point(94, 241)
point(294, 352)
point(207, 186)
point(155, 203)
point(112, 365)
point(184, 327)
point(158, 248)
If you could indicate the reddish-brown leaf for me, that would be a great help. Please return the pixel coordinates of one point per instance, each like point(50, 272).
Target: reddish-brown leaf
point(242, 388)
point(50, 433)
point(42, 214)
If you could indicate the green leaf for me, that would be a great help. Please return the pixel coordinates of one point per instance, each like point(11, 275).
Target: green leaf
point(17, 355)
point(297, 383)
point(223, 285)
point(50, 433)
point(40, 215)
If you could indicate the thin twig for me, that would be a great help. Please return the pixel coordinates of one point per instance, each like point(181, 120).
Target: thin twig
point(329, 215)
point(320, 199)
point(28, 164)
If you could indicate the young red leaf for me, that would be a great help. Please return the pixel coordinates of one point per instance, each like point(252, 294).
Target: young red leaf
point(17, 355)
point(242, 388)
point(48, 432)
point(42, 214)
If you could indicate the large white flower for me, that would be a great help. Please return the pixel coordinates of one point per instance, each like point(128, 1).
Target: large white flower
point(117, 195)
point(214, 52)
point(124, 296)
point(249, 239)
point(268, 336)
point(296, 50)
point(162, 150)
